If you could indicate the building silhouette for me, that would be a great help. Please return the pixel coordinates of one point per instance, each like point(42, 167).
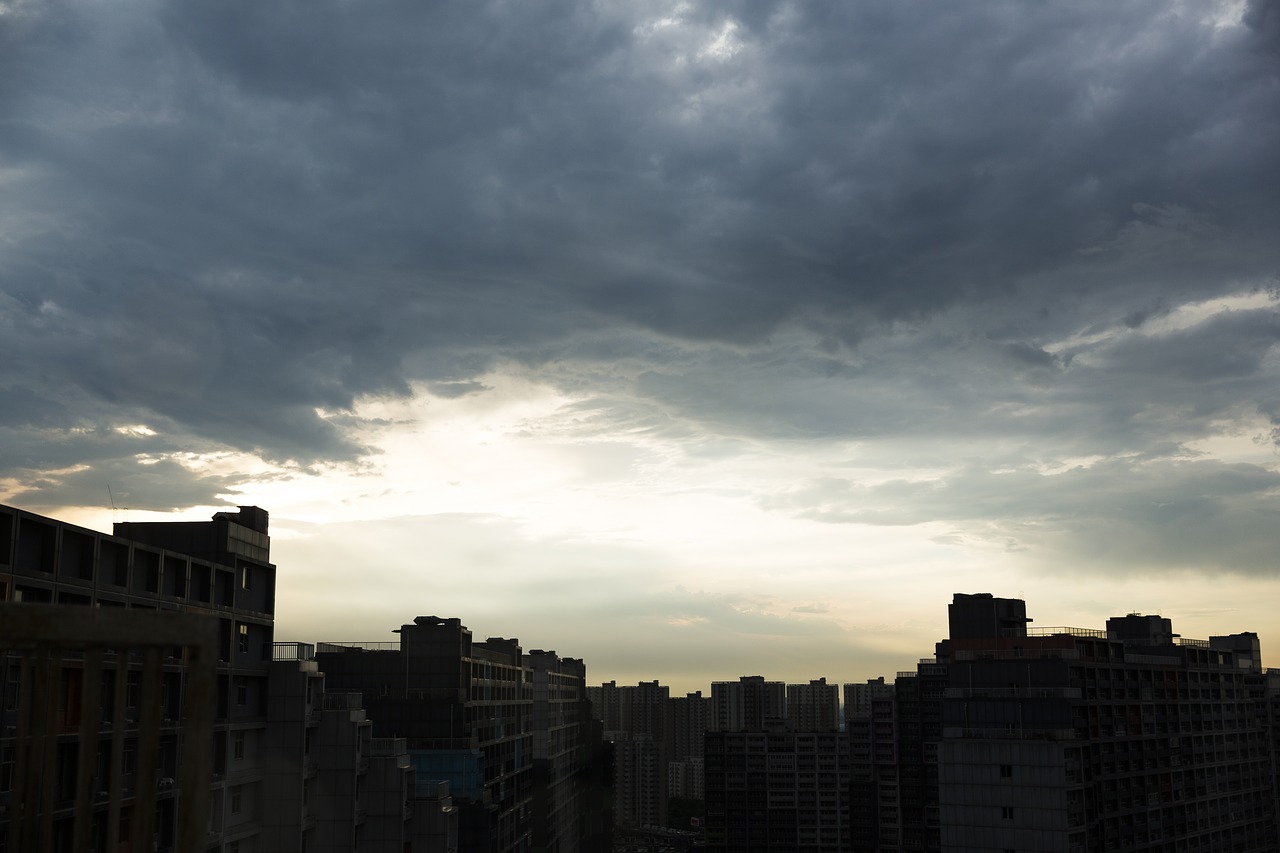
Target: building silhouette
point(688, 716)
point(748, 704)
point(1009, 738)
point(509, 731)
point(268, 758)
point(1128, 738)
point(218, 569)
point(637, 722)
point(1121, 738)
point(329, 785)
point(814, 707)
point(777, 790)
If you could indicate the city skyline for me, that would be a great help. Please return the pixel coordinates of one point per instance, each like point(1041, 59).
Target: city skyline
point(748, 329)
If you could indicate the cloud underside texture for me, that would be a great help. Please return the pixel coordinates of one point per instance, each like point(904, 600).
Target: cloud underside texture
point(864, 222)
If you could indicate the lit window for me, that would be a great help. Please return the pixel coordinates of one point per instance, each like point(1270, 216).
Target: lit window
point(244, 638)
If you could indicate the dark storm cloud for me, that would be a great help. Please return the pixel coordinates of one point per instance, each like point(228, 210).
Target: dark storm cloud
point(127, 483)
point(224, 217)
point(1200, 514)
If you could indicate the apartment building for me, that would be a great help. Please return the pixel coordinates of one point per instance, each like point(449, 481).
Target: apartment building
point(1129, 738)
point(748, 704)
point(562, 749)
point(777, 790)
point(505, 729)
point(814, 707)
point(219, 570)
point(875, 809)
point(641, 736)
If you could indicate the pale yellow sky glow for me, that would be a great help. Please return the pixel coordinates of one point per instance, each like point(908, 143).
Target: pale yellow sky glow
point(506, 509)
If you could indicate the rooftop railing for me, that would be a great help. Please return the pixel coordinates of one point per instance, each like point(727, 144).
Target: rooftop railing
point(1089, 633)
point(293, 651)
point(332, 647)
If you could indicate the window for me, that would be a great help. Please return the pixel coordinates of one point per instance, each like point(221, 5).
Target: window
point(246, 578)
point(1006, 771)
point(237, 745)
point(242, 690)
point(1006, 812)
point(6, 768)
point(237, 800)
point(244, 639)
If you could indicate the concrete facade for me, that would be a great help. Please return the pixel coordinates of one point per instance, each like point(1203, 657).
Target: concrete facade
point(220, 569)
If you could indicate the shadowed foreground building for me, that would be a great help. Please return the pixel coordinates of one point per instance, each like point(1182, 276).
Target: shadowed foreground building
point(1128, 738)
point(813, 707)
point(1125, 739)
point(329, 785)
point(219, 570)
point(509, 731)
point(777, 790)
point(747, 705)
point(140, 730)
point(1069, 739)
point(637, 724)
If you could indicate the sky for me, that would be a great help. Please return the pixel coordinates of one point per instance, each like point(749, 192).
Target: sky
point(693, 339)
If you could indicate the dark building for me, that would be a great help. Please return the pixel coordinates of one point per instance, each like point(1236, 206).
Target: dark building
point(1128, 739)
point(219, 569)
point(329, 785)
point(813, 707)
point(982, 615)
point(875, 807)
point(1067, 739)
point(636, 721)
point(748, 704)
point(687, 718)
point(777, 791)
point(468, 712)
point(562, 752)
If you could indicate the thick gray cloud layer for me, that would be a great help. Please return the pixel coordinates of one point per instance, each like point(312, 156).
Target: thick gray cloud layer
point(862, 221)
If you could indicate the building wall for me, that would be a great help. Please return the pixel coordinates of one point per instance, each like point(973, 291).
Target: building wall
point(1160, 740)
point(561, 749)
point(220, 568)
point(777, 791)
point(502, 727)
point(746, 705)
point(639, 781)
point(814, 707)
point(641, 749)
point(1003, 795)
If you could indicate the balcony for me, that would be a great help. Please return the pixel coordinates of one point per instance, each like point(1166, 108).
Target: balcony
point(55, 644)
point(293, 651)
point(957, 732)
point(388, 746)
point(1011, 693)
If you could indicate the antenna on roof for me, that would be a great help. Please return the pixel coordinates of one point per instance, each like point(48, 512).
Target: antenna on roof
point(115, 510)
